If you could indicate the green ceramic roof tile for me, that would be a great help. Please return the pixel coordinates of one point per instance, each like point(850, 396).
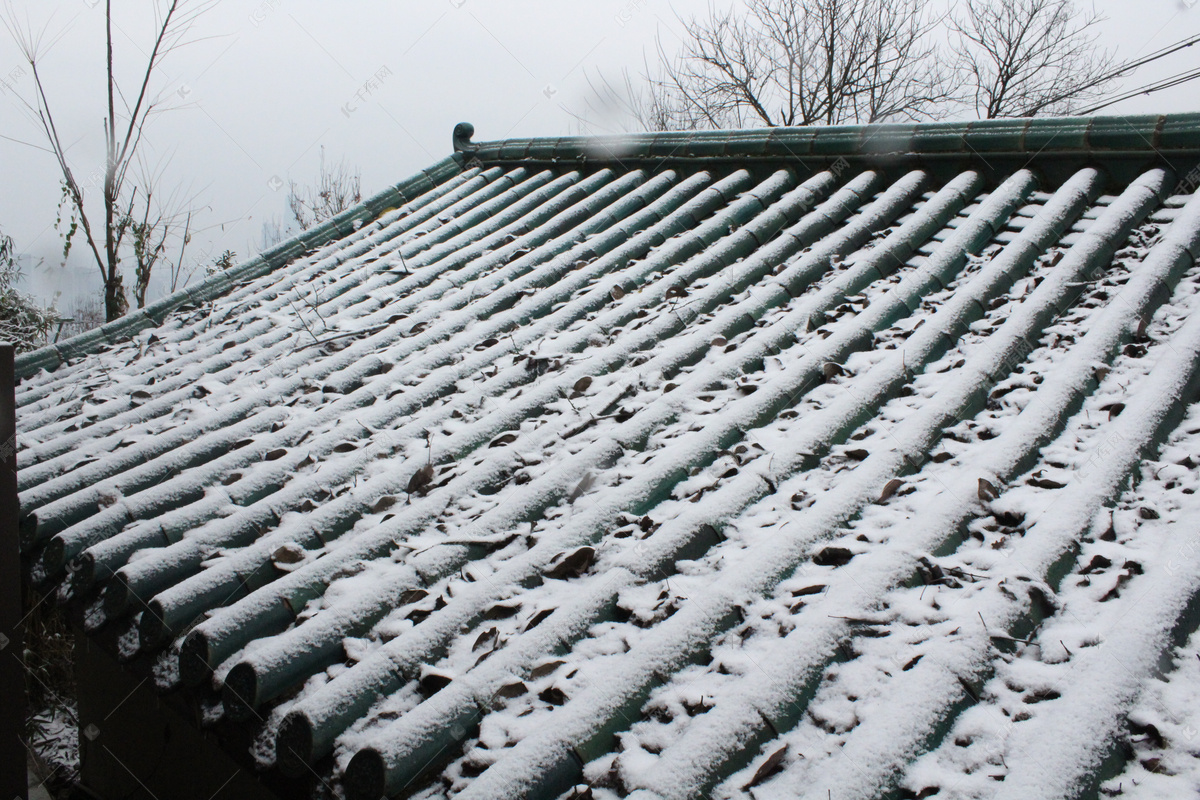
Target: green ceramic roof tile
point(573, 146)
point(790, 142)
point(699, 147)
point(838, 140)
point(745, 143)
point(515, 148)
point(1180, 132)
point(543, 149)
point(940, 137)
point(744, 464)
point(1057, 134)
point(1124, 133)
point(991, 136)
point(887, 138)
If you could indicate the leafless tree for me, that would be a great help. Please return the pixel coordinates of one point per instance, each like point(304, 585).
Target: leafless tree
point(272, 233)
point(178, 271)
point(799, 62)
point(1021, 58)
point(337, 189)
point(827, 62)
point(153, 235)
point(638, 99)
point(124, 212)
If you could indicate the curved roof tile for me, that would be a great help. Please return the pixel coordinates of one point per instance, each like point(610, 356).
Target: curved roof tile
point(750, 462)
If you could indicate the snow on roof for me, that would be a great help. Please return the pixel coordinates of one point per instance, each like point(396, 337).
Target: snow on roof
point(693, 466)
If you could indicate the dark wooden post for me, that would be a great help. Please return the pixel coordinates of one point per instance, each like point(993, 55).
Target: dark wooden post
point(13, 772)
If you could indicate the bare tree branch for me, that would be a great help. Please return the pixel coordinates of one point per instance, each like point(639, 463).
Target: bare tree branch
point(787, 62)
point(337, 189)
point(1022, 58)
point(830, 62)
point(123, 133)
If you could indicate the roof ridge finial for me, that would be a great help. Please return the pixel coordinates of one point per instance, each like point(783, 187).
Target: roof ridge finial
point(463, 132)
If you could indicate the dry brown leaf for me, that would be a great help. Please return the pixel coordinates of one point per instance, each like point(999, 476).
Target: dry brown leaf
point(420, 478)
point(768, 768)
point(488, 636)
point(542, 670)
point(514, 689)
point(833, 557)
point(537, 619)
point(383, 504)
point(573, 565)
point(288, 554)
point(581, 488)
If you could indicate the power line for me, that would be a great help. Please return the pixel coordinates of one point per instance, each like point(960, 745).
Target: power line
point(1126, 67)
point(1166, 83)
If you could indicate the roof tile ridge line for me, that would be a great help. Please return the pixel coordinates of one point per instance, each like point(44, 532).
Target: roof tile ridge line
point(747, 201)
point(65, 499)
point(703, 254)
point(1151, 636)
point(1166, 264)
point(697, 197)
point(47, 388)
point(214, 286)
point(417, 759)
point(660, 144)
point(325, 261)
point(948, 493)
point(756, 198)
point(1113, 472)
point(568, 384)
point(677, 621)
point(45, 461)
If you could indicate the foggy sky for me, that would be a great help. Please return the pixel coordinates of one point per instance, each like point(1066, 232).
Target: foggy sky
point(264, 85)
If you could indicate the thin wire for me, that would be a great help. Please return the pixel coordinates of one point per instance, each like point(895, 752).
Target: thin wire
point(1127, 66)
point(1167, 83)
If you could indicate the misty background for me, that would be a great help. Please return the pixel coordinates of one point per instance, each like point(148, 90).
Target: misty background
point(262, 87)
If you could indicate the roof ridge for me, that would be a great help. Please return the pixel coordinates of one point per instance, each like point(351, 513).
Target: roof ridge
point(1029, 135)
point(1032, 137)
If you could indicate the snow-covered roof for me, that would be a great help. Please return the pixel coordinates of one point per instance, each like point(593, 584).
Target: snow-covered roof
point(755, 464)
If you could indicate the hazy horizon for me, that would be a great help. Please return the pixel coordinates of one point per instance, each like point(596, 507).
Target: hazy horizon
point(264, 86)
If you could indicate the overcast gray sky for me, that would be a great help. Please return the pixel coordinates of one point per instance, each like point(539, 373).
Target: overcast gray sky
point(380, 84)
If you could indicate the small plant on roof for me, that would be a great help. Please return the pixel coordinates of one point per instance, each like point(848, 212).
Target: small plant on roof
point(337, 189)
point(221, 262)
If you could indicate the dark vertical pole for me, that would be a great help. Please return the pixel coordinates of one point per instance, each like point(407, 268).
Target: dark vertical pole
point(13, 774)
